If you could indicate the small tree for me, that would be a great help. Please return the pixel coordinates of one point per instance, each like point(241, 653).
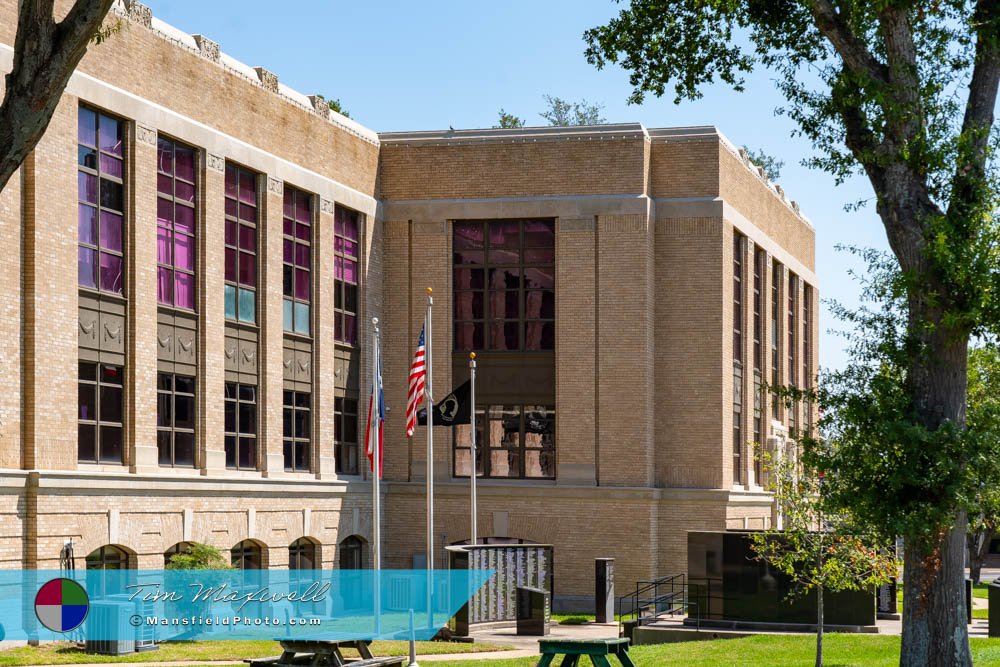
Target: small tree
point(335, 105)
point(772, 165)
point(816, 551)
point(509, 121)
point(198, 556)
point(563, 113)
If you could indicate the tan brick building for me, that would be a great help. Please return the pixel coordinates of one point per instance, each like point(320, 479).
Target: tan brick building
point(187, 312)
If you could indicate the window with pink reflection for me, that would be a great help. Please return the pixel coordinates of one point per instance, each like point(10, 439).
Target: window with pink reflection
point(101, 201)
point(346, 229)
point(176, 213)
point(503, 275)
point(297, 260)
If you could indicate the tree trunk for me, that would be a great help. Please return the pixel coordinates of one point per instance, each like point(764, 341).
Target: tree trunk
point(979, 547)
point(819, 626)
point(934, 617)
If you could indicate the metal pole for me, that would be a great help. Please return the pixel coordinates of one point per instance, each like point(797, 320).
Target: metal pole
point(430, 464)
point(472, 422)
point(376, 474)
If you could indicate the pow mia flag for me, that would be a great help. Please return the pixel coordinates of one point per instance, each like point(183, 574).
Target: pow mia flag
point(452, 409)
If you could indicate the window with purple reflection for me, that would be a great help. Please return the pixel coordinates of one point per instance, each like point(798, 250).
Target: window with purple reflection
point(346, 229)
point(175, 224)
point(504, 285)
point(101, 196)
point(241, 244)
point(297, 260)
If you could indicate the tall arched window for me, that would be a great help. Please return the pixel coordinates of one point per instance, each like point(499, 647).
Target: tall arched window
point(352, 551)
point(302, 555)
point(247, 555)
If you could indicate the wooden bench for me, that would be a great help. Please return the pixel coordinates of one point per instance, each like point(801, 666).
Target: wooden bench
point(597, 649)
point(326, 653)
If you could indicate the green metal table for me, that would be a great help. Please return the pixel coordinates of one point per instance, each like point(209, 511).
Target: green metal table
point(597, 649)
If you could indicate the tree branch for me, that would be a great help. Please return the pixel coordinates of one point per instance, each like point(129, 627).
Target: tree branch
point(905, 116)
point(45, 55)
point(970, 167)
point(852, 50)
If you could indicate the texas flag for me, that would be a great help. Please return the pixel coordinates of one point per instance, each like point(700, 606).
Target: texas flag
point(376, 414)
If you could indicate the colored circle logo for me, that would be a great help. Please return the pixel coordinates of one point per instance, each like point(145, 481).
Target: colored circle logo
point(61, 605)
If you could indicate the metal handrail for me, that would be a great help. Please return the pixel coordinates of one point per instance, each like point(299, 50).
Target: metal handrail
point(678, 589)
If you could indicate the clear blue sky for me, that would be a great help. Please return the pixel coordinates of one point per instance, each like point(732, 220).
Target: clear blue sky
point(433, 64)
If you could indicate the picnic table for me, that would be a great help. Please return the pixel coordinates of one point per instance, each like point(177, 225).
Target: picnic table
point(326, 652)
point(597, 649)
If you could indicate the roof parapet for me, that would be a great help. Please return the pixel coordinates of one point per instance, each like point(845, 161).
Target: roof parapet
point(208, 49)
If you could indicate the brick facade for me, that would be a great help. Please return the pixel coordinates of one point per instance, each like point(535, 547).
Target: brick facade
point(643, 356)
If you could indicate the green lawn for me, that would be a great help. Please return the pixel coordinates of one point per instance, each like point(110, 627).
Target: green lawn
point(63, 653)
point(841, 650)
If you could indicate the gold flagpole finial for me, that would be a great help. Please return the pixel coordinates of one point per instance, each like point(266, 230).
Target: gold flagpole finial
point(429, 291)
point(472, 355)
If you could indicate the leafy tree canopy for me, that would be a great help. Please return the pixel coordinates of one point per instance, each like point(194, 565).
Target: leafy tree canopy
point(772, 165)
point(508, 120)
point(563, 113)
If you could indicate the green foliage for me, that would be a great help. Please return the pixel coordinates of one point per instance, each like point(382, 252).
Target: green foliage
point(815, 549)
point(563, 113)
point(198, 556)
point(772, 165)
point(335, 105)
point(509, 121)
point(891, 472)
point(105, 32)
point(869, 106)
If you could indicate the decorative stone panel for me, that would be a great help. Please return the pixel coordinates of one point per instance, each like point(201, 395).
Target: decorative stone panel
point(208, 48)
point(138, 12)
point(176, 343)
point(297, 364)
point(101, 329)
point(267, 78)
point(240, 355)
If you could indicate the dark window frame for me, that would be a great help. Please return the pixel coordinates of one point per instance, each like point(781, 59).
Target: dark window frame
point(759, 265)
point(793, 360)
point(739, 250)
point(234, 242)
point(173, 200)
point(172, 430)
point(244, 552)
point(485, 449)
point(347, 294)
point(234, 438)
point(89, 158)
point(107, 557)
point(346, 450)
point(776, 280)
point(303, 551)
point(293, 199)
point(493, 328)
point(100, 424)
point(292, 441)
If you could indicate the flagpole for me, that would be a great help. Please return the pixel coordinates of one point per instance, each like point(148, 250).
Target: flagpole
point(472, 422)
point(377, 474)
point(430, 464)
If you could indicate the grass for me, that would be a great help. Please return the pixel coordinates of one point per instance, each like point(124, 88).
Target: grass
point(65, 653)
point(840, 650)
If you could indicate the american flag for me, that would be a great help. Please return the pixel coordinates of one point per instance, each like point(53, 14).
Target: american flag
point(418, 375)
point(376, 411)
